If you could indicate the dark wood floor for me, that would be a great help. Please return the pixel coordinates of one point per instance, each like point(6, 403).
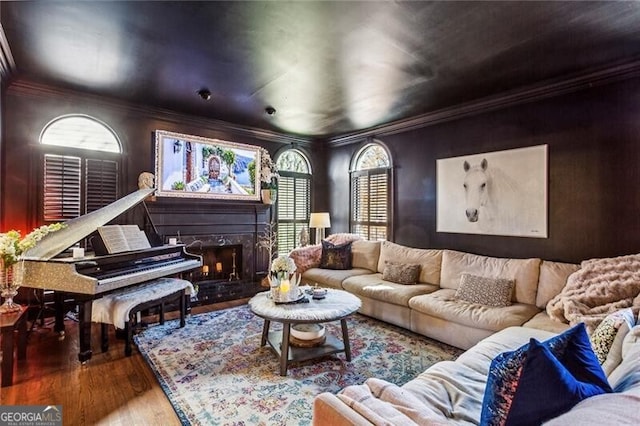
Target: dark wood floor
point(110, 389)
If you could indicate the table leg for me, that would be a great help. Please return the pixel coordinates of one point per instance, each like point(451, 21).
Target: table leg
point(284, 356)
point(7, 356)
point(22, 338)
point(265, 332)
point(345, 339)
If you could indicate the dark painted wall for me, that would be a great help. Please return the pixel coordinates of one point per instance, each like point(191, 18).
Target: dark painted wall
point(593, 139)
point(27, 110)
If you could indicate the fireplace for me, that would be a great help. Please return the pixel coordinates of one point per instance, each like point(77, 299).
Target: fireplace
point(224, 234)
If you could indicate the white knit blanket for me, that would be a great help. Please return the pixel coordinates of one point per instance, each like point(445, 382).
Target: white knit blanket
point(598, 288)
point(386, 404)
point(114, 308)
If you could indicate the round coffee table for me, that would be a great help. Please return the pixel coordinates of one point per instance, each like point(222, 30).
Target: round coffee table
point(337, 305)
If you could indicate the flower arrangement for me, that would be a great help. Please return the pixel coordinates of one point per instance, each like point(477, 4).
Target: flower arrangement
point(268, 171)
point(283, 265)
point(284, 282)
point(12, 245)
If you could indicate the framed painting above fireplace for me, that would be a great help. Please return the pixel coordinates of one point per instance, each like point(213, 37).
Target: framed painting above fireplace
point(198, 167)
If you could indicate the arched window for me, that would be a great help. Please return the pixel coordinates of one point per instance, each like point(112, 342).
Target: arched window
point(80, 167)
point(370, 192)
point(294, 198)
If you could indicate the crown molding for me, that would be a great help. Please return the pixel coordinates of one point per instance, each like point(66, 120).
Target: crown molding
point(24, 87)
point(7, 63)
point(547, 89)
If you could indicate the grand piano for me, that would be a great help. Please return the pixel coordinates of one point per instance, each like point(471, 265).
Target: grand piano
point(91, 277)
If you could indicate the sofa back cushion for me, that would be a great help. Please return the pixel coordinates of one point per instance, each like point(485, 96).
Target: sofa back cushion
point(429, 260)
point(525, 272)
point(553, 277)
point(365, 254)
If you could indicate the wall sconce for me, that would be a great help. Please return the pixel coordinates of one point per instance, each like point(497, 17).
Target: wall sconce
point(177, 146)
point(320, 221)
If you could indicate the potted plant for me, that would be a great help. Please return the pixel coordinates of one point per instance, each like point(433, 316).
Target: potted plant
point(268, 178)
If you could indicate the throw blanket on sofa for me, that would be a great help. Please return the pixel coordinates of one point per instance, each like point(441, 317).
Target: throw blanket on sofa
point(598, 288)
point(309, 257)
point(385, 404)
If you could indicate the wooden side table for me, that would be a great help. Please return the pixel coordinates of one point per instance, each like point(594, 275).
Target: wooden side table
point(10, 324)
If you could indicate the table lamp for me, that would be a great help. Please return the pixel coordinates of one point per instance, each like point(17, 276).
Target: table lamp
point(320, 221)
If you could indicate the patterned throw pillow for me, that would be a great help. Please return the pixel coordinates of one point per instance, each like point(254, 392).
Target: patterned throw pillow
point(604, 335)
point(335, 256)
point(572, 349)
point(485, 291)
point(401, 273)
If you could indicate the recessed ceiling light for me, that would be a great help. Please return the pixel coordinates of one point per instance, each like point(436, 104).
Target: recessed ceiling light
point(205, 94)
point(270, 110)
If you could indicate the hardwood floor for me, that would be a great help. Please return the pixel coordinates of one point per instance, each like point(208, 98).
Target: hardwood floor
point(110, 389)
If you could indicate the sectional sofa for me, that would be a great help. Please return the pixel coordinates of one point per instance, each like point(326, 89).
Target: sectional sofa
point(430, 307)
point(452, 392)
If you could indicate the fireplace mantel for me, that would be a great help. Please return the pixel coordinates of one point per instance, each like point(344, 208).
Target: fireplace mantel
point(206, 220)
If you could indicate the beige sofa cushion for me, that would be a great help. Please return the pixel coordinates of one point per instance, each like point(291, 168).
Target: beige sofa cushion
point(330, 277)
point(443, 304)
point(542, 321)
point(365, 254)
point(428, 259)
point(374, 287)
point(524, 271)
point(553, 277)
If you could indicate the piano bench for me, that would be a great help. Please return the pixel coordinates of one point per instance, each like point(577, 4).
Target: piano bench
point(154, 294)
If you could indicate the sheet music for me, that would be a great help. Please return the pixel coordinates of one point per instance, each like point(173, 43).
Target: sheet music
point(119, 238)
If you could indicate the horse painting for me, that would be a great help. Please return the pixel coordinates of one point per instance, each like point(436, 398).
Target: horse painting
point(493, 193)
point(490, 198)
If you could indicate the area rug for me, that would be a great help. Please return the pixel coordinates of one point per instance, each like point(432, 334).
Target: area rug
point(215, 372)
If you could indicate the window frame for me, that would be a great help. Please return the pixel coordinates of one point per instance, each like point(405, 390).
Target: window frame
point(38, 163)
point(296, 176)
point(355, 173)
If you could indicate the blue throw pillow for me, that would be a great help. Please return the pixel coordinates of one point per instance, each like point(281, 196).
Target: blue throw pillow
point(547, 388)
point(571, 348)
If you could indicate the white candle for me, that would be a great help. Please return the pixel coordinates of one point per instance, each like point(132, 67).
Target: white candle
point(78, 253)
point(284, 286)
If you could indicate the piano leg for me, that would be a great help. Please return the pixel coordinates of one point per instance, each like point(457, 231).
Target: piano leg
point(84, 328)
point(58, 300)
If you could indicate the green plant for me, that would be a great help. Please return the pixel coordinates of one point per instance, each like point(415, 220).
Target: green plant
point(252, 173)
point(229, 157)
point(178, 186)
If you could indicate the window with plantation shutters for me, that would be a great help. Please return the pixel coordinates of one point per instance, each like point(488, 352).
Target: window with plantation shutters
point(101, 183)
point(370, 193)
point(61, 187)
point(294, 198)
point(80, 183)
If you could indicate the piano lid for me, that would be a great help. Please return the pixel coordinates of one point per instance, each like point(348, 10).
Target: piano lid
point(78, 228)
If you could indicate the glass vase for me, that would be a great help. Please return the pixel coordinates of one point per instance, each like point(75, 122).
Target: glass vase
point(9, 284)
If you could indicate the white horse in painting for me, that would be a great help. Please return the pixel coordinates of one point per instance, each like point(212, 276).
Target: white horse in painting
point(490, 197)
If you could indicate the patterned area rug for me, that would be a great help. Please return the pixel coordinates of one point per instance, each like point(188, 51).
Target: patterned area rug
point(215, 372)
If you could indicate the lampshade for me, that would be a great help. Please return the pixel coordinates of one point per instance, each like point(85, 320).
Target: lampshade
point(319, 220)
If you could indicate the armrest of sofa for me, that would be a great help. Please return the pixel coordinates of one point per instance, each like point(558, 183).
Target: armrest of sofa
point(329, 410)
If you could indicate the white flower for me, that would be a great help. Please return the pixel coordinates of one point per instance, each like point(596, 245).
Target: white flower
point(12, 246)
point(283, 264)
